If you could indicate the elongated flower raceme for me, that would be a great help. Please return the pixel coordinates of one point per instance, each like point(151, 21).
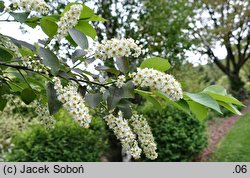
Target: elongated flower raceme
point(142, 130)
point(124, 133)
point(68, 20)
point(160, 81)
point(34, 64)
point(117, 48)
point(31, 5)
point(73, 102)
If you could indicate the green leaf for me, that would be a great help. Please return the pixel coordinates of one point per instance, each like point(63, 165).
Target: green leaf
point(219, 93)
point(86, 12)
point(20, 17)
point(32, 22)
point(199, 110)
point(53, 103)
point(3, 103)
point(4, 88)
point(2, 6)
point(108, 69)
point(216, 89)
point(148, 96)
point(86, 28)
point(93, 100)
point(96, 18)
point(124, 106)
point(128, 90)
point(82, 90)
point(28, 95)
point(5, 54)
point(156, 63)
point(203, 99)
point(79, 53)
point(114, 94)
point(49, 59)
point(122, 65)
point(181, 105)
point(79, 37)
point(48, 26)
point(230, 107)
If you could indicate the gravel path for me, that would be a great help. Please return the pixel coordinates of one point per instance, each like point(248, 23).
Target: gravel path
point(217, 128)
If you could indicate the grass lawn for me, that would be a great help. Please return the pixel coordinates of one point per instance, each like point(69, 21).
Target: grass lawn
point(235, 146)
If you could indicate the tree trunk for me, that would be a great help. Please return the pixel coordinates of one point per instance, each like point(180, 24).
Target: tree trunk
point(237, 86)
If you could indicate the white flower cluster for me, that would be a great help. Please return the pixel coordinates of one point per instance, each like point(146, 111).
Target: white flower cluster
point(34, 64)
point(124, 133)
point(31, 5)
point(4, 41)
point(145, 137)
point(117, 48)
point(73, 102)
point(43, 115)
point(68, 20)
point(120, 81)
point(160, 81)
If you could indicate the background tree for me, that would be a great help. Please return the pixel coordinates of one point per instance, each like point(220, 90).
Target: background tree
point(225, 23)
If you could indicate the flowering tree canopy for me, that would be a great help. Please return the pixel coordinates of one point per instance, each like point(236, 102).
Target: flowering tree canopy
point(34, 72)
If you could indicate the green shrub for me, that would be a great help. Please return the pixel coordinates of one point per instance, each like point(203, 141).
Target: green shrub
point(179, 136)
point(67, 141)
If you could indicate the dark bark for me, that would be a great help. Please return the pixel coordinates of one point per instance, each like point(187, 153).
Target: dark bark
point(237, 86)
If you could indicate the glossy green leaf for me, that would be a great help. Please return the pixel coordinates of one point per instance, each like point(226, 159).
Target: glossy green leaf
point(49, 59)
point(93, 100)
point(79, 38)
point(124, 106)
point(28, 95)
point(199, 110)
point(86, 28)
point(86, 12)
point(156, 63)
point(114, 94)
point(219, 93)
point(216, 89)
point(203, 99)
point(108, 69)
point(5, 54)
point(48, 26)
point(53, 104)
point(148, 96)
point(20, 17)
point(4, 88)
point(181, 105)
point(32, 22)
point(230, 107)
point(122, 65)
point(96, 18)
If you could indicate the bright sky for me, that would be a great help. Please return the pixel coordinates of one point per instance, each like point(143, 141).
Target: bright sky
point(32, 36)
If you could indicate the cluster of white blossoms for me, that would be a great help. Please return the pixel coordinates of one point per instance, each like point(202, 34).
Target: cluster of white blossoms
point(34, 64)
point(43, 115)
point(159, 81)
point(68, 20)
point(73, 102)
point(4, 41)
point(145, 136)
point(120, 81)
point(31, 5)
point(124, 133)
point(117, 48)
